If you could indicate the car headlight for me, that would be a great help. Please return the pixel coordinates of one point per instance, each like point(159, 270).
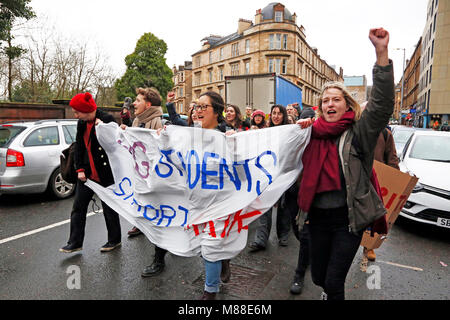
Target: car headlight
point(418, 187)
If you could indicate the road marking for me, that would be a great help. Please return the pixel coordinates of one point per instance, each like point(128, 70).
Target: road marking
point(42, 229)
point(401, 265)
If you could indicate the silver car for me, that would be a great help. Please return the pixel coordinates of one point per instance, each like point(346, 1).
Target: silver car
point(30, 156)
point(427, 156)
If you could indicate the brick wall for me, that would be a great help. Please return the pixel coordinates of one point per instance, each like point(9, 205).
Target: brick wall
point(26, 111)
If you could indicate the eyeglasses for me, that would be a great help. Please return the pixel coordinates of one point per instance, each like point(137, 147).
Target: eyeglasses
point(198, 107)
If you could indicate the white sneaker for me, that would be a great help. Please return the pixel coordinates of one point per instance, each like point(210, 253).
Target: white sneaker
point(323, 296)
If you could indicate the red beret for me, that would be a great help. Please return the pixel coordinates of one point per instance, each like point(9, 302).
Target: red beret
point(83, 102)
point(258, 113)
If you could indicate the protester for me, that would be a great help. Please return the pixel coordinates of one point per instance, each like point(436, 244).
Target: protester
point(290, 204)
point(291, 119)
point(91, 162)
point(336, 194)
point(278, 117)
point(175, 117)
point(148, 113)
point(211, 118)
point(258, 120)
point(385, 153)
point(234, 119)
point(125, 113)
point(248, 113)
point(291, 110)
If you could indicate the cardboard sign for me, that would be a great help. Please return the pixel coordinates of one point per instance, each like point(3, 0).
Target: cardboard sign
point(396, 187)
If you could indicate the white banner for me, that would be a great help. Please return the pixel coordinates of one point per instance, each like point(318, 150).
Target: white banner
point(191, 190)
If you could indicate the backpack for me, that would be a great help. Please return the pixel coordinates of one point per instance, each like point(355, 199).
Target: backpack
point(67, 162)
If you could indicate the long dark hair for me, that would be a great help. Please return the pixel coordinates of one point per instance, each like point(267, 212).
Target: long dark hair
point(238, 119)
point(217, 104)
point(283, 111)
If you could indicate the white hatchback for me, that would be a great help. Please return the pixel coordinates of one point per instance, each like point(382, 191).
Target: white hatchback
point(30, 156)
point(427, 156)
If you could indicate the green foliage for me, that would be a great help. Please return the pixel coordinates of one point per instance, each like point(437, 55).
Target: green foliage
point(146, 67)
point(9, 11)
point(29, 92)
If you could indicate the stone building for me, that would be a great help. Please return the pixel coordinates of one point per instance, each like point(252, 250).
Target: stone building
point(273, 43)
point(411, 84)
point(357, 87)
point(434, 85)
point(182, 79)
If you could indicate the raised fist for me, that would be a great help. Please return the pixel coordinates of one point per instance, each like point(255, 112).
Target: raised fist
point(379, 38)
point(170, 96)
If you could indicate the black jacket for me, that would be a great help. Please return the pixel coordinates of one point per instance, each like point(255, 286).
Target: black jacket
point(174, 116)
point(101, 160)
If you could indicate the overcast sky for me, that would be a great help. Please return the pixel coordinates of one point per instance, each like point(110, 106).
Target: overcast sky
point(338, 28)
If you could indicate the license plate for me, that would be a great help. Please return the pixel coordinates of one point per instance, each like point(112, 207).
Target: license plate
point(442, 222)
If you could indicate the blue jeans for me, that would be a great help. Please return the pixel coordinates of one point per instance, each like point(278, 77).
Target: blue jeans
point(212, 271)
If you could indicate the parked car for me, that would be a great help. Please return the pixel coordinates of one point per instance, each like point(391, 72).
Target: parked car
point(30, 156)
point(401, 134)
point(427, 156)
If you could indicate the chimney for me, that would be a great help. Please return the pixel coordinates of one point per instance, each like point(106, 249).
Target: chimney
point(294, 18)
point(258, 16)
point(244, 25)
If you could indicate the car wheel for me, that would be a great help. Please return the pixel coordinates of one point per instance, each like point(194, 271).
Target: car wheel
point(58, 187)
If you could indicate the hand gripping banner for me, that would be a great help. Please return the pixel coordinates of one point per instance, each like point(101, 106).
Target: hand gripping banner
point(192, 190)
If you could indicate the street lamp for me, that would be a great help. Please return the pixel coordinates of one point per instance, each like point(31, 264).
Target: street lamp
point(403, 82)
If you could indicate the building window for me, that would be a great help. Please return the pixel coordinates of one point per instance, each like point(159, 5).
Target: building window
point(221, 91)
point(235, 69)
point(210, 75)
point(221, 54)
point(247, 68)
point(247, 46)
point(428, 100)
point(431, 70)
point(284, 67)
point(285, 41)
point(274, 65)
point(432, 49)
point(181, 107)
point(197, 61)
point(275, 41)
point(235, 49)
point(278, 16)
point(210, 57)
point(221, 74)
point(181, 91)
point(197, 78)
point(434, 23)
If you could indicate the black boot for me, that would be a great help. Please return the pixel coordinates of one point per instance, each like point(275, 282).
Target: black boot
point(158, 264)
point(297, 284)
point(225, 274)
point(208, 296)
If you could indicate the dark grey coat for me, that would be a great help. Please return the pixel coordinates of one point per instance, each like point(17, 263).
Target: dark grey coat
point(356, 151)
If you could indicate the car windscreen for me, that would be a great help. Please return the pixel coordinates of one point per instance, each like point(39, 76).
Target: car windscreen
point(433, 148)
point(8, 133)
point(401, 136)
